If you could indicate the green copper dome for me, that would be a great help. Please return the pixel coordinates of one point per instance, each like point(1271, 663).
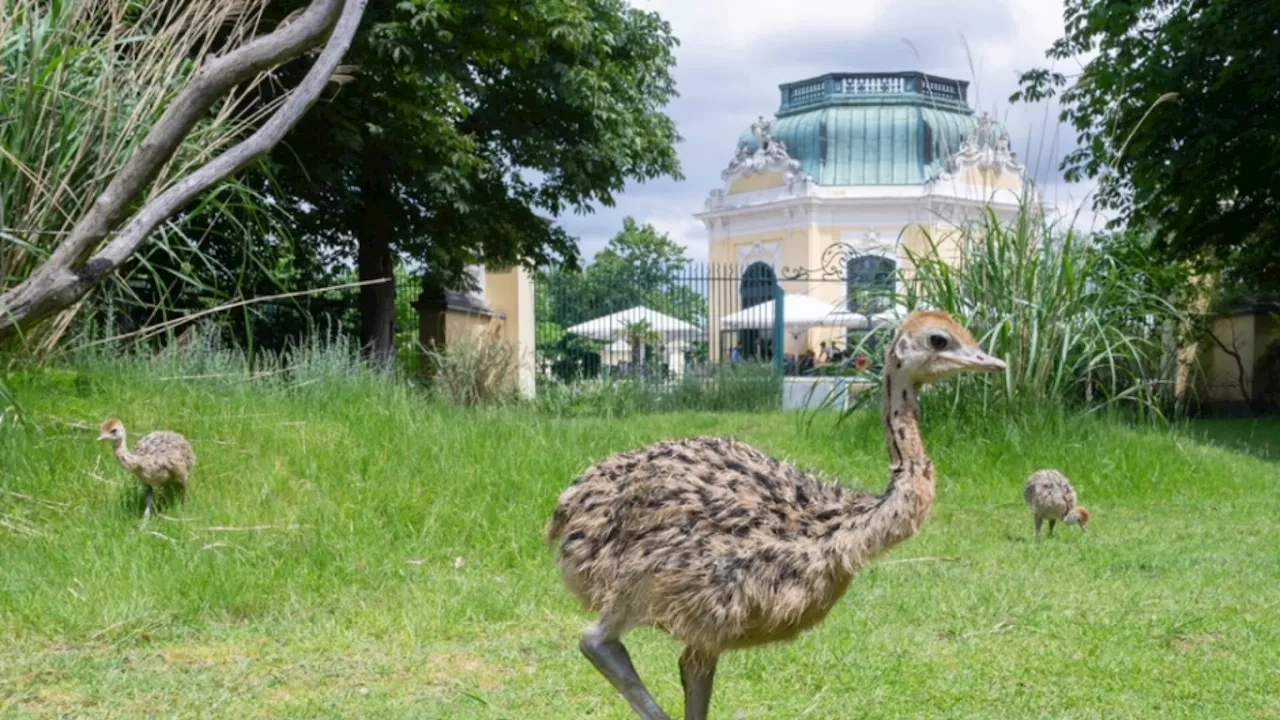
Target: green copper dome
point(872, 128)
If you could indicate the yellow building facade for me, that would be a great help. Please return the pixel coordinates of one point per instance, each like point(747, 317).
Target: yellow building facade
point(853, 173)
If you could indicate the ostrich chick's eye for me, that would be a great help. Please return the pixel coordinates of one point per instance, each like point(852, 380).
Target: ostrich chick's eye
point(938, 342)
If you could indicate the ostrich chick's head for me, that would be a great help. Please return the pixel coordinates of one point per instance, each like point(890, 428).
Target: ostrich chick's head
point(1079, 515)
point(931, 346)
point(112, 430)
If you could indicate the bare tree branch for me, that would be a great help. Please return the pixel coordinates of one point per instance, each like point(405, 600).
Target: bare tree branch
point(1232, 351)
point(58, 282)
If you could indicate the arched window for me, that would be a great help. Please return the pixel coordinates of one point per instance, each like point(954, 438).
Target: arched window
point(871, 284)
point(758, 281)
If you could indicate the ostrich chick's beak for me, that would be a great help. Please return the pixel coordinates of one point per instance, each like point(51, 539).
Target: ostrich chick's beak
point(104, 436)
point(972, 358)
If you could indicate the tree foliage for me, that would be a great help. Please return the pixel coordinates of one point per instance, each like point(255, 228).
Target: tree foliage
point(639, 266)
point(467, 125)
point(1176, 116)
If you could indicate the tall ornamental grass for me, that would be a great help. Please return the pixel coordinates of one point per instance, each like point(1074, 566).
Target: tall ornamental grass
point(1076, 327)
point(81, 83)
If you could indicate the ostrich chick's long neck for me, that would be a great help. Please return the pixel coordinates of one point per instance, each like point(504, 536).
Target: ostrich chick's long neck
point(906, 503)
point(127, 459)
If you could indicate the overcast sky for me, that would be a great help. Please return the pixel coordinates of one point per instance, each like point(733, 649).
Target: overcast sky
point(734, 54)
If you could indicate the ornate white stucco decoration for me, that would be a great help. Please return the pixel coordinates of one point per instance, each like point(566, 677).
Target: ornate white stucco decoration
point(770, 155)
point(801, 185)
point(769, 253)
point(986, 149)
point(869, 242)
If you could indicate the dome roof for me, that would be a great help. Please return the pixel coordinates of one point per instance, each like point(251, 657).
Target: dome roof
point(872, 128)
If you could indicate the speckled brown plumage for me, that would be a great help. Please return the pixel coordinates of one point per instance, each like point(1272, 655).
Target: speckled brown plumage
point(157, 459)
point(1051, 497)
point(708, 539)
point(725, 547)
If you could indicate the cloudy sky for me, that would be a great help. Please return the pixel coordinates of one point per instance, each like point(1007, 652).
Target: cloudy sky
point(734, 54)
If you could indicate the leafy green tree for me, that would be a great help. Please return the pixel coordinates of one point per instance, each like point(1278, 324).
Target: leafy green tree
point(639, 266)
point(1176, 117)
point(466, 124)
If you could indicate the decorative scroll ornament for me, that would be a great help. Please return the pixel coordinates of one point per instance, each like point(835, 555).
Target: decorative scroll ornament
point(770, 155)
point(986, 148)
point(834, 264)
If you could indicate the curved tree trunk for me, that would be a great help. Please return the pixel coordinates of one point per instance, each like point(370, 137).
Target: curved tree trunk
point(77, 265)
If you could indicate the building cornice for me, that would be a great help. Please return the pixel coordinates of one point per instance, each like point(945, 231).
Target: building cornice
point(856, 197)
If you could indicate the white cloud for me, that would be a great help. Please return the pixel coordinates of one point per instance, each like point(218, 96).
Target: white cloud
point(733, 56)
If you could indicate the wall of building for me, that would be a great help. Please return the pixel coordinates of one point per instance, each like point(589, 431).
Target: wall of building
point(758, 181)
point(440, 329)
point(510, 293)
point(803, 245)
point(1249, 335)
point(999, 186)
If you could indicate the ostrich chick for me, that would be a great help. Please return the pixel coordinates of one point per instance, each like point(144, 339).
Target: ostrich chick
point(725, 548)
point(157, 458)
point(1050, 496)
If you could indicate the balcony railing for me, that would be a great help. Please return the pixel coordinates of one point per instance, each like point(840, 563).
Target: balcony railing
point(852, 87)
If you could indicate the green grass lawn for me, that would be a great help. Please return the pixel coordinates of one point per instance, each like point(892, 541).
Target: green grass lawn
point(350, 550)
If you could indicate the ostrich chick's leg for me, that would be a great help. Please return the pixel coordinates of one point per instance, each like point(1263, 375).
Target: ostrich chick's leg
point(610, 657)
point(151, 502)
point(1051, 524)
point(697, 673)
point(1039, 521)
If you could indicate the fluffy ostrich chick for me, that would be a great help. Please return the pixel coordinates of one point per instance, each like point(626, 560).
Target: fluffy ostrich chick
point(1050, 496)
point(157, 458)
point(723, 547)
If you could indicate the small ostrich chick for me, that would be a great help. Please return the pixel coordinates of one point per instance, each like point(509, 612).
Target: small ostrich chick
point(157, 458)
point(1050, 496)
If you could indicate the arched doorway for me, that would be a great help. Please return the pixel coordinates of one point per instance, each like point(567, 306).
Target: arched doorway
point(758, 281)
point(870, 285)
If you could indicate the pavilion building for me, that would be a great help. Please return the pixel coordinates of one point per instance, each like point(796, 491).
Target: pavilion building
point(854, 172)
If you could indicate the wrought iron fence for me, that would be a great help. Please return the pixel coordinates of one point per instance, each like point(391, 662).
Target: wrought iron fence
point(721, 329)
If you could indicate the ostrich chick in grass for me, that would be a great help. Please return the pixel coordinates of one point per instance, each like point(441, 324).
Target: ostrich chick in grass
point(1050, 496)
point(157, 458)
point(723, 547)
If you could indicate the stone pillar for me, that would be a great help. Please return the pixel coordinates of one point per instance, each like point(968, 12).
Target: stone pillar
point(510, 292)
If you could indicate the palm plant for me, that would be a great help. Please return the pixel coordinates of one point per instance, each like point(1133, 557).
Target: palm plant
point(639, 335)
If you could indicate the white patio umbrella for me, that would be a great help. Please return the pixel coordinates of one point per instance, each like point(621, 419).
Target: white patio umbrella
point(621, 345)
point(614, 326)
point(800, 312)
